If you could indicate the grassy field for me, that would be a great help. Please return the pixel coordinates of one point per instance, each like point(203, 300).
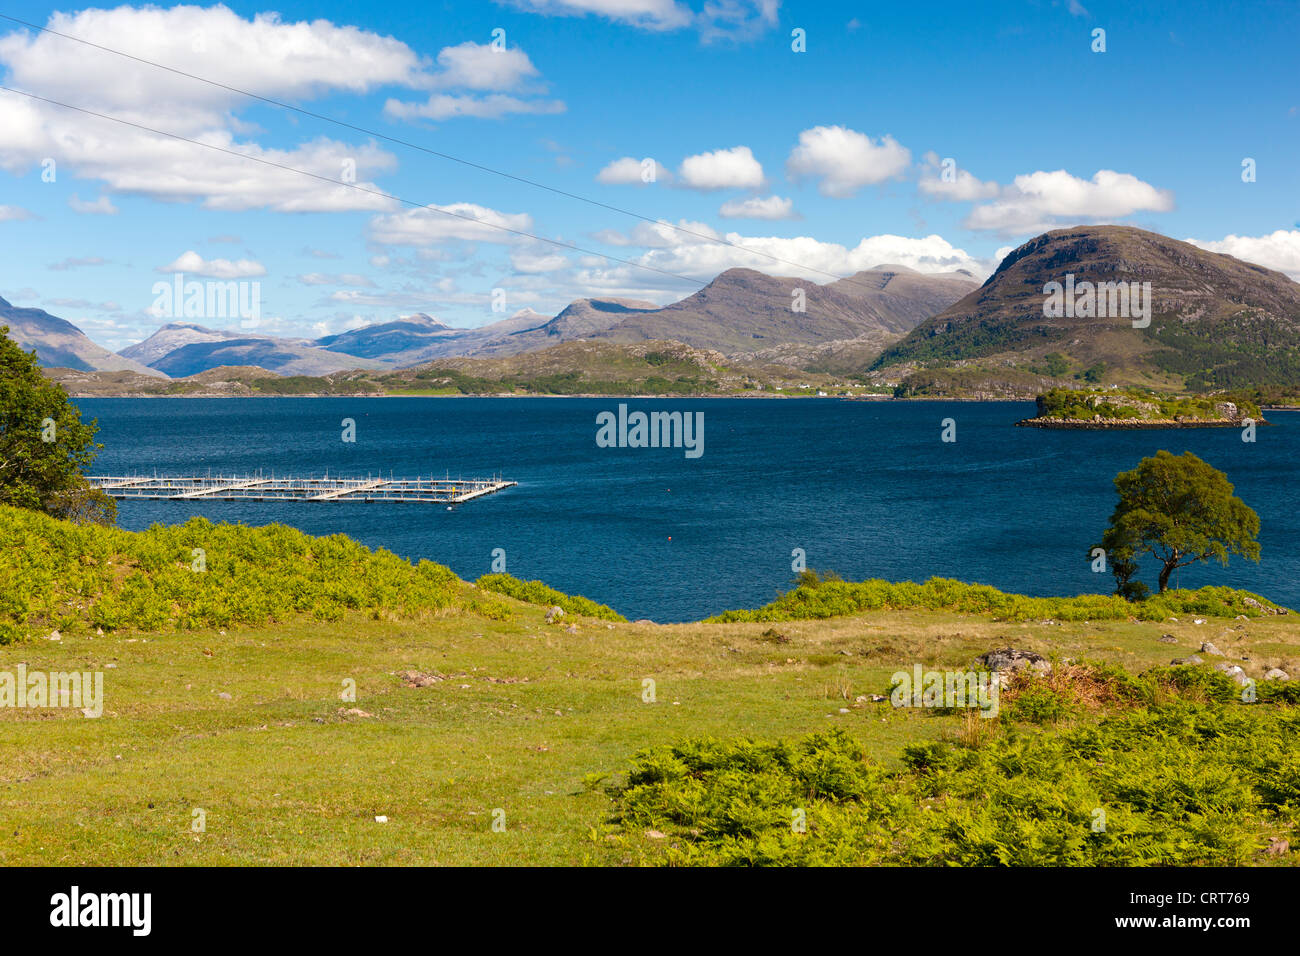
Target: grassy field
point(268, 695)
point(523, 717)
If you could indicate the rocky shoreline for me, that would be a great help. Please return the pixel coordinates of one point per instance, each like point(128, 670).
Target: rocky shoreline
point(1112, 424)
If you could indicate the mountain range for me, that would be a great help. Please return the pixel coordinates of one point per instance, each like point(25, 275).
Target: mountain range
point(741, 312)
point(1214, 322)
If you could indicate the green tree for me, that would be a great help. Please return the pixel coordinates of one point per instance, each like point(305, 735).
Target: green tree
point(45, 447)
point(1057, 364)
point(1122, 559)
point(1093, 374)
point(1180, 510)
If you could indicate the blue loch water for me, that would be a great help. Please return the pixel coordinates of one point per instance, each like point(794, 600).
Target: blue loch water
point(867, 489)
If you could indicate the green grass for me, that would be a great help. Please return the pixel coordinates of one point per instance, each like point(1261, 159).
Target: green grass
point(246, 721)
point(535, 592)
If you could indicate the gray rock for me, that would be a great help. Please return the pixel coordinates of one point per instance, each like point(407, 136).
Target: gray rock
point(1014, 660)
point(1194, 659)
point(1167, 639)
point(1277, 673)
point(1250, 602)
point(1233, 671)
point(1208, 648)
point(553, 614)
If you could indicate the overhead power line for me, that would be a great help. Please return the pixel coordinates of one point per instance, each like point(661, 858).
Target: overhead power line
point(433, 152)
point(359, 188)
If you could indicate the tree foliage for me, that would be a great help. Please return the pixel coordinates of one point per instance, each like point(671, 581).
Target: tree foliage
point(45, 447)
point(1181, 511)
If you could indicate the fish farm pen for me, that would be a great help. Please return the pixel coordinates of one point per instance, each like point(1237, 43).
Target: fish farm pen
point(449, 491)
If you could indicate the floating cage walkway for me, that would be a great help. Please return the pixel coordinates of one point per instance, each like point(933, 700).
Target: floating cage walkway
point(449, 491)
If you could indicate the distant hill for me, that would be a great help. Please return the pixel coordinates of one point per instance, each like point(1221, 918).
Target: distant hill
point(387, 339)
point(744, 311)
point(453, 341)
point(584, 319)
point(278, 355)
point(60, 344)
point(567, 368)
point(1216, 321)
point(172, 336)
point(837, 357)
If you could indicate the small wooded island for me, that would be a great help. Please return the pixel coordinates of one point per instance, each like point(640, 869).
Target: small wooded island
point(1109, 408)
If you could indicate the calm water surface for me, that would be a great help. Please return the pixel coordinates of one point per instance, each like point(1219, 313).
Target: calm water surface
point(867, 489)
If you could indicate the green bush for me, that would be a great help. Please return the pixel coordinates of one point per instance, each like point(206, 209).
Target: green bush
point(1089, 404)
point(824, 598)
point(1196, 681)
point(55, 574)
point(1178, 784)
point(535, 592)
point(1040, 704)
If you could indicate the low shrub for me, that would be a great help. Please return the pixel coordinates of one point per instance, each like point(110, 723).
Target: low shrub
point(535, 592)
point(69, 577)
point(1174, 784)
point(817, 597)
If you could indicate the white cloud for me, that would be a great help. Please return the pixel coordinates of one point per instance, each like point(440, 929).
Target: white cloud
point(736, 19)
point(1279, 250)
point(845, 160)
point(262, 55)
point(715, 20)
point(702, 259)
point(1039, 201)
point(734, 168)
point(477, 66)
point(14, 214)
point(402, 300)
point(480, 68)
point(433, 224)
point(646, 14)
point(628, 171)
point(195, 264)
point(442, 106)
point(962, 186)
point(103, 206)
point(83, 304)
point(346, 278)
point(659, 235)
point(539, 262)
point(769, 207)
point(77, 263)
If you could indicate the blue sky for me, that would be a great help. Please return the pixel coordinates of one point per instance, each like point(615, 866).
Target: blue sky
point(830, 158)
